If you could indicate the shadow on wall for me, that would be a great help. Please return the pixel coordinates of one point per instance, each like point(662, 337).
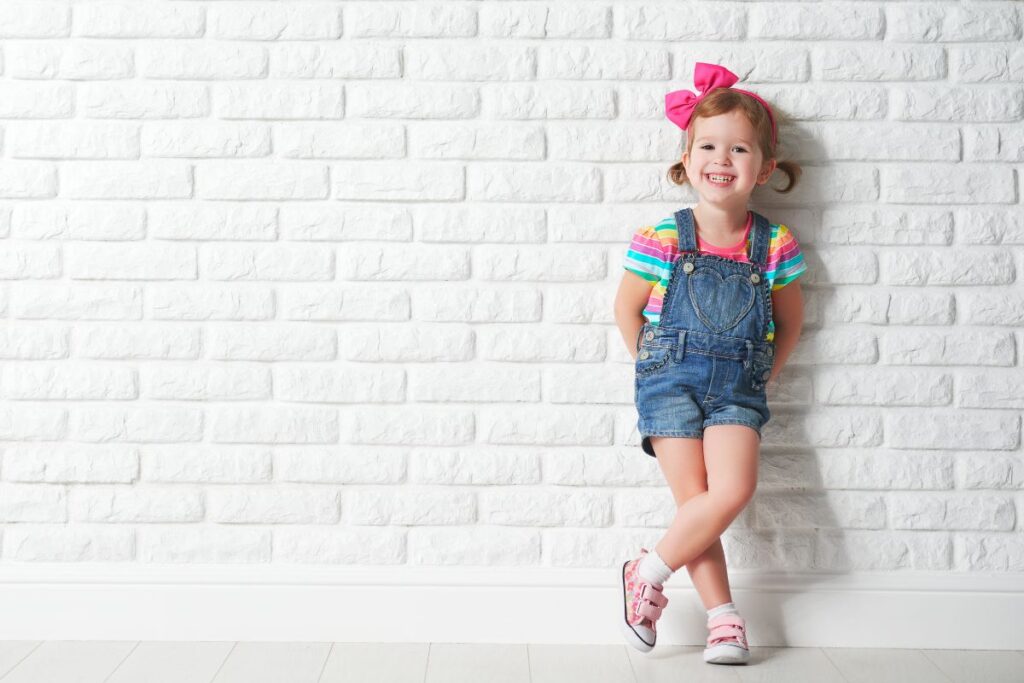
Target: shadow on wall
point(796, 522)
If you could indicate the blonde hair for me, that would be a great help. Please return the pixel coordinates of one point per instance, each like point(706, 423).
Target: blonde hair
point(722, 101)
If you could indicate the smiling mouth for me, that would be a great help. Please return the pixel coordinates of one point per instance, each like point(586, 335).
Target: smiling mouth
point(717, 179)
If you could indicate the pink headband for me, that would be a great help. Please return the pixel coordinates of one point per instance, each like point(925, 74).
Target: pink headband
point(679, 105)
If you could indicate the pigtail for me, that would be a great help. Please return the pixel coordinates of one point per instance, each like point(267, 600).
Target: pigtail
point(677, 173)
point(792, 171)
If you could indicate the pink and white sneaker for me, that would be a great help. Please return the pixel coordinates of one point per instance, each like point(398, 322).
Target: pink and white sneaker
point(643, 603)
point(727, 640)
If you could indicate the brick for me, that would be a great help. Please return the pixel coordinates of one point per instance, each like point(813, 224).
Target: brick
point(923, 22)
point(340, 464)
point(797, 21)
point(206, 545)
point(291, 504)
point(135, 504)
point(953, 430)
point(880, 63)
point(533, 20)
point(516, 101)
point(952, 511)
point(949, 348)
point(414, 506)
point(59, 543)
point(409, 20)
point(205, 463)
point(362, 60)
point(883, 387)
point(527, 506)
point(273, 22)
point(475, 465)
point(131, 20)
point(670, 22)
point(457, 62)
point(546, 426)
point(626, 62)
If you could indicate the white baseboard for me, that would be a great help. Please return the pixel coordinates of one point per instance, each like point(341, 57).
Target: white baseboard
point(494, 605)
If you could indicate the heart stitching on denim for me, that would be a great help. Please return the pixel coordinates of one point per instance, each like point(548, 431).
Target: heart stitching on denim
point(715, 299)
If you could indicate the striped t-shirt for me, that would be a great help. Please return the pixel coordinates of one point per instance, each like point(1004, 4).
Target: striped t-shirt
point(655, 249)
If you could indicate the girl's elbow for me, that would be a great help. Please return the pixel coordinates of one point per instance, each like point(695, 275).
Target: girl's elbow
point(629, 311)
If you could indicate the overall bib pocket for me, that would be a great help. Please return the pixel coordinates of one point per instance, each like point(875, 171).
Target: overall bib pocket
point(720, 302)
point(650, 359)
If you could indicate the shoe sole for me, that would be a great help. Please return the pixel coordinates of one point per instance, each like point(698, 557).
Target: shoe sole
point(726, 654)
point(631, 636)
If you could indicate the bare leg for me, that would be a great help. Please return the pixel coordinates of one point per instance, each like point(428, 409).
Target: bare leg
point(682, 463)
point(731, 459)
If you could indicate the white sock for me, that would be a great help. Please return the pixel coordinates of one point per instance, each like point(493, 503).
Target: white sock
point(724, 608)
point(653, 569)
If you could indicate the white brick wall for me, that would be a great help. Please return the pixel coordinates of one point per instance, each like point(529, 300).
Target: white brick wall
point(331, 282)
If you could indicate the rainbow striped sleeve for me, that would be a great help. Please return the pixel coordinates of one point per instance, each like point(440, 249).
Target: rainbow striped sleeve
point(785, 260)
point(648, 256)
point(652, 255)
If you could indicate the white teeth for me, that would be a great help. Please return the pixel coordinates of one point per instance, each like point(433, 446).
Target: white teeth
point(720, 178)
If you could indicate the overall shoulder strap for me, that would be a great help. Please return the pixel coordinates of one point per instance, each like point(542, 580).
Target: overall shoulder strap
point(687, 232)
point(761, 241)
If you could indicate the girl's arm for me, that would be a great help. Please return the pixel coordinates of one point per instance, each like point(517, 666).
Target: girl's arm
point(630, 301)
point(788, 315)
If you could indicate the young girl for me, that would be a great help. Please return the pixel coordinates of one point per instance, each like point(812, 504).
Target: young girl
point(716, 285)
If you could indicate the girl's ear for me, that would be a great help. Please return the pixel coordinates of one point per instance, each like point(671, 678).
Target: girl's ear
point(766, 171)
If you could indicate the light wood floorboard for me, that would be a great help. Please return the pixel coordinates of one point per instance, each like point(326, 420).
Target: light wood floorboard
point(256, 662)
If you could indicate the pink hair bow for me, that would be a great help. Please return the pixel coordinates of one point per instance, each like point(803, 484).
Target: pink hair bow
point(679, 105)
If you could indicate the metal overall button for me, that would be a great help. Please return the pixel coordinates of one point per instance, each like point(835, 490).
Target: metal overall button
point(755, 278)
point(644, 355)
point(687, 267)
point(649, 336)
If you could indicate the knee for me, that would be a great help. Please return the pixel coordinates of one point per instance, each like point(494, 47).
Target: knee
point(687, 493)
point(734, 499)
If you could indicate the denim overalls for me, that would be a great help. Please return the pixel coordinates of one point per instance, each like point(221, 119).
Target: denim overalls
point(707, 361)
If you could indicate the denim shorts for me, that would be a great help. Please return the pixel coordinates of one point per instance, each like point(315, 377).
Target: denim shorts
point(688, 380)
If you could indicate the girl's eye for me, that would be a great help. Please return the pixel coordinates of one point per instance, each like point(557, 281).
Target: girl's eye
point(706, 146)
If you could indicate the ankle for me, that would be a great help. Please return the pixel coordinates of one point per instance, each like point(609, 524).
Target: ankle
point(724, 608)
point(652, 568)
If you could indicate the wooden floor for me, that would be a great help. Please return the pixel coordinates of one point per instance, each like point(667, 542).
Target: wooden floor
point(248, 662)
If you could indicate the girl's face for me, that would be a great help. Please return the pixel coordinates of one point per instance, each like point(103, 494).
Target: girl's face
point(726, 162)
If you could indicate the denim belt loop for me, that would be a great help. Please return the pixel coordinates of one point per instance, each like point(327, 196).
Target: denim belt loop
point(681, 346)
point(750, 353)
